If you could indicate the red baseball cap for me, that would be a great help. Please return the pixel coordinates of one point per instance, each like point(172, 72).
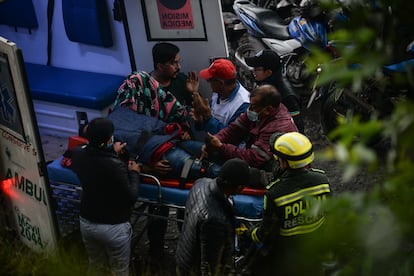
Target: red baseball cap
point(221, 69)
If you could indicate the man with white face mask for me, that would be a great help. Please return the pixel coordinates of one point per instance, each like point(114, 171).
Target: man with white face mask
point(265, 116)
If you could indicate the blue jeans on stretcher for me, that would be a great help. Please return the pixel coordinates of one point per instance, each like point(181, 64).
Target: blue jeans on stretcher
point(190, 149)
point(107, 244)
point(177, 156)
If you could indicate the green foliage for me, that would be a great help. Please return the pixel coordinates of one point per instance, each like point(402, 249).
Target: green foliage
point(367, 233)
point(371, 233)
point(17, 259)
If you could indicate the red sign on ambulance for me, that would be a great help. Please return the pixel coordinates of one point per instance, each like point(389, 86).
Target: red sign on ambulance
point(175, 14)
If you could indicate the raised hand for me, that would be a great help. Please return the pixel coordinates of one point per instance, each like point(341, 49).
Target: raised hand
point(192, 83)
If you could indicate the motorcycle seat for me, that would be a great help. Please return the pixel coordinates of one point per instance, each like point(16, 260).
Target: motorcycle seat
point(269, 22)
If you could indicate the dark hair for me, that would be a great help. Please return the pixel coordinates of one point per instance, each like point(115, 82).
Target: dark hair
point(98, 131)
point(268, 95)
point(163, 52)
point(233, 173)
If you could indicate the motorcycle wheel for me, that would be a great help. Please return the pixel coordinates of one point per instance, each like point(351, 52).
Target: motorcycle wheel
point(340, 103)
point(343, 103)
point(245, 76)
point(248, 47)
point(295, 70)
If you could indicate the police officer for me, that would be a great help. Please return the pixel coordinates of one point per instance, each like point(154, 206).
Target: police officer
point(287, 222)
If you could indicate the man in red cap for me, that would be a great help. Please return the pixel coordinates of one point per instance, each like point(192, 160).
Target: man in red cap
point(228, 101)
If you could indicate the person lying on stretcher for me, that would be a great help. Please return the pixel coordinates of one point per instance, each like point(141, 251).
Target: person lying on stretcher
point(152, 141)
point(146, 118)
point(141, 93)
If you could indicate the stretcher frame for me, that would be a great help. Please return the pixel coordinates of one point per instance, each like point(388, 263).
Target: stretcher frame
point(60, 190)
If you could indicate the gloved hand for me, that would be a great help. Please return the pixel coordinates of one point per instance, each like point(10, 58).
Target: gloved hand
point(241, 230)
point(243, 237)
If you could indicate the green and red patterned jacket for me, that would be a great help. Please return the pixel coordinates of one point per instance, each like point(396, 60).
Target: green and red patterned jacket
point(143, 94)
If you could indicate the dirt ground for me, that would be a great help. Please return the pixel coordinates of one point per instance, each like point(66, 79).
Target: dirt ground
point(362, 181)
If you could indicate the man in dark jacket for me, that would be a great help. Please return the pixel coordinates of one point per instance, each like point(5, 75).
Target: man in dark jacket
point(109, 190)
point(206, 243)
point(265, 116)
point(267, 70)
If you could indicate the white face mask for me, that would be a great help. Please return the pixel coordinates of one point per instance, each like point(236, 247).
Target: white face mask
point(252, 115)
point(110, 144)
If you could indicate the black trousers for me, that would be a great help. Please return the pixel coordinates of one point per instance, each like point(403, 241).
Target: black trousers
point(157, 227)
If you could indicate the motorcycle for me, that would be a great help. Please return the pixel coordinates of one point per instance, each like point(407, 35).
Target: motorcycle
point(371, 99)
point(290, 36)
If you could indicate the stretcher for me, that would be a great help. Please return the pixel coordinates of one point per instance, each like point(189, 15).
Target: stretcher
point(66, 191)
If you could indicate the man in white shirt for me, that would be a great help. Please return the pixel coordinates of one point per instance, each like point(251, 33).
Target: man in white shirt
point(228, 101)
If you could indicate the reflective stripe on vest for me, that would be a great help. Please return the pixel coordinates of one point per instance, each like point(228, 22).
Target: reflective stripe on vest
point(320, 189)
point(302, 229)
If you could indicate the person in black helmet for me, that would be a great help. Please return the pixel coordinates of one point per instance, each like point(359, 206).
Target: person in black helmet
point(109, 190)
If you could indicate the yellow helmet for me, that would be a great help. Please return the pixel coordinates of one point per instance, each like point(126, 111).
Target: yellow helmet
point(293, 147)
